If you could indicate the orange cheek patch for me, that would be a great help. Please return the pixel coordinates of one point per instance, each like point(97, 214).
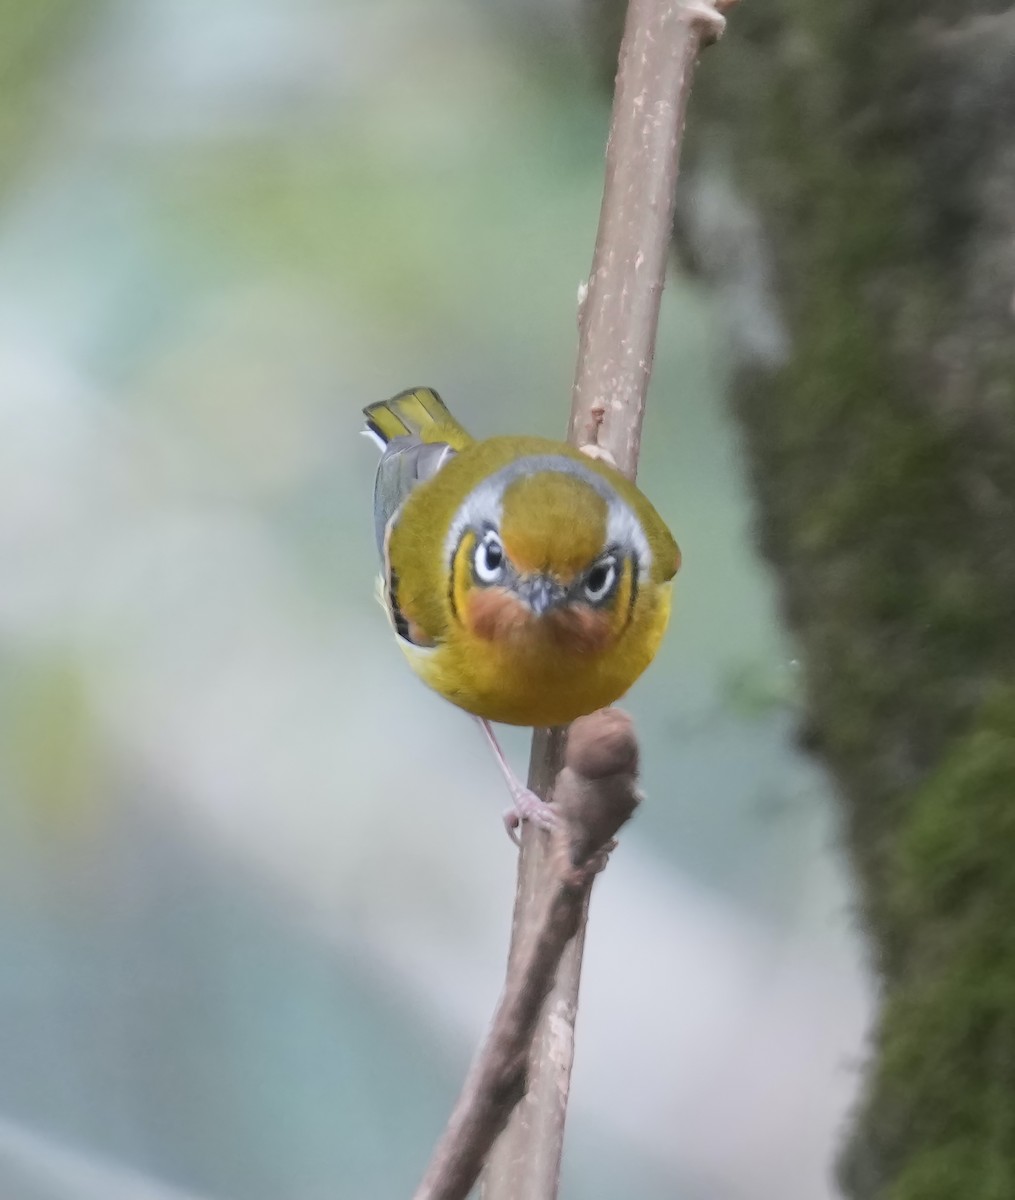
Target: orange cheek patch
point(581, 628)
point(495, 615)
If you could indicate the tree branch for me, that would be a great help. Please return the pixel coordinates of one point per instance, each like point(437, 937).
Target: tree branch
point(595, 794)
point(618, 318)
point(528, 1053)
point(619, 313)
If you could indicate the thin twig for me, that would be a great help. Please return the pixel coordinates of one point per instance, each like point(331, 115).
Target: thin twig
point(596, 793)
point(618, 317)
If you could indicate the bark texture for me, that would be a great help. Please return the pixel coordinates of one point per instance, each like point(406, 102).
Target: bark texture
point(867, 261)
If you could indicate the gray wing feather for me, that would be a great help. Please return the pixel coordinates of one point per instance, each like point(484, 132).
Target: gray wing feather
point(405, 463)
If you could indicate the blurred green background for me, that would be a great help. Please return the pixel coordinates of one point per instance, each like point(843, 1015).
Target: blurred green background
point(254, 889)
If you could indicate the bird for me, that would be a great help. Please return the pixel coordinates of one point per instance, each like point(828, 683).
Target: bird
point(526, 582)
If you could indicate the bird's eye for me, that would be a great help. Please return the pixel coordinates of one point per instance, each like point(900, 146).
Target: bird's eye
point(489, 560)
point(600, 580)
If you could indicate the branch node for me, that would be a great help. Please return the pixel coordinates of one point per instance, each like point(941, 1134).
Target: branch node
point(600, 453)
point(707, 17)
point(596, 792)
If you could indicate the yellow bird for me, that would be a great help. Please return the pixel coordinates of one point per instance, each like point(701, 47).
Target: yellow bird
point(526, 582)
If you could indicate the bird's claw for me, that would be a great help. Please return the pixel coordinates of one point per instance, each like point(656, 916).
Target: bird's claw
point(528, 807)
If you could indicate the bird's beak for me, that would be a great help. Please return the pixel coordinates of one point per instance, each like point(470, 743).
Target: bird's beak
point(541, 593)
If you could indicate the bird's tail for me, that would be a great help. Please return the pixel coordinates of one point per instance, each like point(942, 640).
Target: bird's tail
point(418, 413)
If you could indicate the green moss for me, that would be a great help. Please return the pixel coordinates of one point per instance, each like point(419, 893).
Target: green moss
point(943, 1173)
point(959, 846)
point(941, 1102)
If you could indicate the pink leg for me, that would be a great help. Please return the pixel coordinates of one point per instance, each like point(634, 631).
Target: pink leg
point(527, 805)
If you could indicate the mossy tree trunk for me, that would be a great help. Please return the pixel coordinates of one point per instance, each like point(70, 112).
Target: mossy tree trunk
point(869, 151)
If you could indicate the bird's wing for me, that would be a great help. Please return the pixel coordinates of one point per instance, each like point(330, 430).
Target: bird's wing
point(417, 435)
point(405, 463)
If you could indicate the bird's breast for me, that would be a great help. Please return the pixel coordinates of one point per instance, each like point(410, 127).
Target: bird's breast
point(509, 667)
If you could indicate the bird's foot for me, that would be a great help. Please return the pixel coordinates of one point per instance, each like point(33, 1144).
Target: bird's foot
point(528, 807)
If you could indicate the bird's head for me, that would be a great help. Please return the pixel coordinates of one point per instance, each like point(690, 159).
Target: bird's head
point(547, 550)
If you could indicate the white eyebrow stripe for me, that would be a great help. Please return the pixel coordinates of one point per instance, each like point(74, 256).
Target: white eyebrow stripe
point(624, 529)
point(482, 505)
point(485, 504)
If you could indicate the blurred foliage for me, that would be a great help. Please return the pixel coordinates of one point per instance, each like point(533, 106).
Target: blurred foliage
point(36, 39)
point(50, 745)
point(754, 690)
